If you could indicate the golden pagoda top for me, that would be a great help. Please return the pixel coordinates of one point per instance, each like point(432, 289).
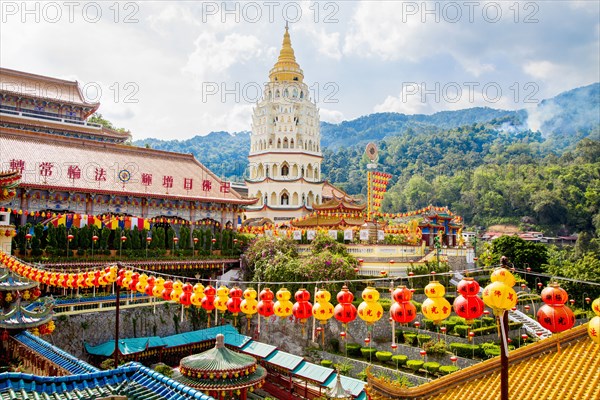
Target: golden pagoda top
point(286, 69)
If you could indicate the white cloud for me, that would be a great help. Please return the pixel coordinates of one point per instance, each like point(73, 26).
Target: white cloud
point(331, 116)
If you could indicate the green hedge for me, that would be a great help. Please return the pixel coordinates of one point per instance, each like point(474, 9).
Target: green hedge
point(415, 365)
point(384, 356)
point(461, 330)
point(410, 338)
point(327, 363)
point(466, 350)
point(423, 338)
point(431, 367)
point(368, 352)
point(492, 352)
point(353, 349)
point(488, 321)
point(488, 330)
point(448, 369)
point(400, 359)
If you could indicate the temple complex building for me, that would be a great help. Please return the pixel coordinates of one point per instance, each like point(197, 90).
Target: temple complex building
point(71, 165)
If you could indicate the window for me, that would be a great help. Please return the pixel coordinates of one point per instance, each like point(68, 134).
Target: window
point(285, 199)
point(285, 170)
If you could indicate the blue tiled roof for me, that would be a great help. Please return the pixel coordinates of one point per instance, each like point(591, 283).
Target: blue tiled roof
point(132, 379)
point(313, 372)
point(258, 349)
point(57, 356)
point(355, 386)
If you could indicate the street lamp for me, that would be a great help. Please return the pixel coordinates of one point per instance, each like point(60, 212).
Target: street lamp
point(148, 241)
point(123, 240)
point(212, 242)
point(69, 238)
point(94, 240)
point(175, 243)
point(390, 267)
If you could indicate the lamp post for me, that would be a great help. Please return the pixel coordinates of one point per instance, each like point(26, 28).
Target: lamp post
point(123, 239)
point(175, 243)
point(390, 267)
point(195, 243)
point(148, 241)
point(212, 242)
point(28, 238)
point(94, 240)
point(69, 238)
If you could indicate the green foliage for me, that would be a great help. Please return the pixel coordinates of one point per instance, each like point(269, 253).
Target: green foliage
point(415, 365)
point(400, 359)
point(447, 369)
point(521, 253)
point(410, 338)
point(465, 350)
point(461, 330)
point(384, 356)
point(353, 349)
point(164, 369)
point(343, 368)
point(327, 363)
point(435, 347)
point(422, 338)
point(431, 367)
point(368, 352)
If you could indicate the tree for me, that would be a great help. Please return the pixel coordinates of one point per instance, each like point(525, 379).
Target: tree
point(521, 253)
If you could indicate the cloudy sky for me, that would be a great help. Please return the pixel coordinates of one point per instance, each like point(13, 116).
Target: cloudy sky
point(173, 70)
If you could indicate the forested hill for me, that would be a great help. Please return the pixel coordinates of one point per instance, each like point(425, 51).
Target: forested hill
point(488, 165)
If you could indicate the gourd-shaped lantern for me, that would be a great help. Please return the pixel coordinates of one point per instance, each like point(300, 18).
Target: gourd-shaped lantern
point(500, 295)
point(167, 289)
point(554, 315)
point(345, 311)
point(403, 310)
point(283, 307)
point(150, 286)
point(370, 310)
point(111, 274)
point(468, 305)
point(234, 303)
point(594, 324)
point(126, 280)
point(142, 283)
point(208, 301)
point(436, 307)
point(198, 294)
point(159, 286)
point(135, 277)
point(249, 304)
point(265, 305)
point(322, 310)
point(222, 298)
point(302, 308)
point(186, 297)
point(177, 291)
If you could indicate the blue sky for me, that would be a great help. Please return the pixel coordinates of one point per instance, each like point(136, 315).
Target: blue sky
point(172, 70)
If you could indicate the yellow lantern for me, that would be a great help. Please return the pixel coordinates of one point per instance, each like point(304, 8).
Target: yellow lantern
point(222, 297)
point(594, 324)
point(436, 307)
point(159, 285)
point(283, 306)
point(370, 310)
point(126, 280)
point(142, 283)
point(177, 290)
point(503, 275)
point(596, 306)
point(26, 296)
point(322, 309)
point(499, 297)
point(198, 294)
point(111, 275)
point(249, 304)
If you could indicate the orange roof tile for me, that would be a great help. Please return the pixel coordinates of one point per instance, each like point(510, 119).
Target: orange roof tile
point(536, 371)
point(331, 192)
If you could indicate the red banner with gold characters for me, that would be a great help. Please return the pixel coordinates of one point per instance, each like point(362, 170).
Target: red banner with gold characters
point(377, 184)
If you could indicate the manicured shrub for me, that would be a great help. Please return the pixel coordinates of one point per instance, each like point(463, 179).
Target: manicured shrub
point(492, 352)
point(449, 326)
point(461, 330)
point(415, 365)
point(488, 330)
point(327, 363)
point(435, 347)
point(353, 349)
point(400, 359)
point(431, 367)
point(448, 369)
point(368, 352)
point(423, 338)
point(384, 356)
point(410, 338)
point(465, 350)
point(488, 321)
point(428, 324)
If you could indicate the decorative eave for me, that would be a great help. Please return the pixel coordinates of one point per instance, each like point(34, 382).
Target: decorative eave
point(267, 152)
point(336, 204)
point(271, 179)
point(268, 207)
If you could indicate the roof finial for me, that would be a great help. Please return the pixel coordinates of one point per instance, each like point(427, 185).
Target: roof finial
point(287, 24)
point(220, 341)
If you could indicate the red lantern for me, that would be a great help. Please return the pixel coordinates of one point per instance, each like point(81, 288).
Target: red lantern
point(176, 239)
point(94, 238)
point(195, 240)
point(5, 335)
point(265, 305)
point(423, 353)
point(367, 341)
point(345, 311)
point(554, 315)
point(149, 286)
point(524, 336)
point(403, 310)
point(186, 297)
point(28, 236)
point(148, 239)
point(167, 289)
point(135, 277)
point(235, 299)
point(213, 240)
point(453, 359)
point(302, 309)
point(468, 305)
point(343, 335)
point(70, 237)
point(208, 301)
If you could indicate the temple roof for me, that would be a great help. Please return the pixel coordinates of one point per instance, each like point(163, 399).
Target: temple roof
point(537, 371)
point(21, 317)
point(108, 168)
point(217, 359)
point(331, 192)
point(286, 68)
point(339, 205)
point(24, 84)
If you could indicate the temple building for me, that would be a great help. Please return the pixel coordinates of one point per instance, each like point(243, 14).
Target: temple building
point(71, 165)
point(285, 153)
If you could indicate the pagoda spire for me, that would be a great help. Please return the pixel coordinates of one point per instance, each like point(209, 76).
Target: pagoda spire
point(286, 68)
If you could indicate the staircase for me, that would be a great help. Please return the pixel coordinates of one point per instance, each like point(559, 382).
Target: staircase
point(531, 326)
